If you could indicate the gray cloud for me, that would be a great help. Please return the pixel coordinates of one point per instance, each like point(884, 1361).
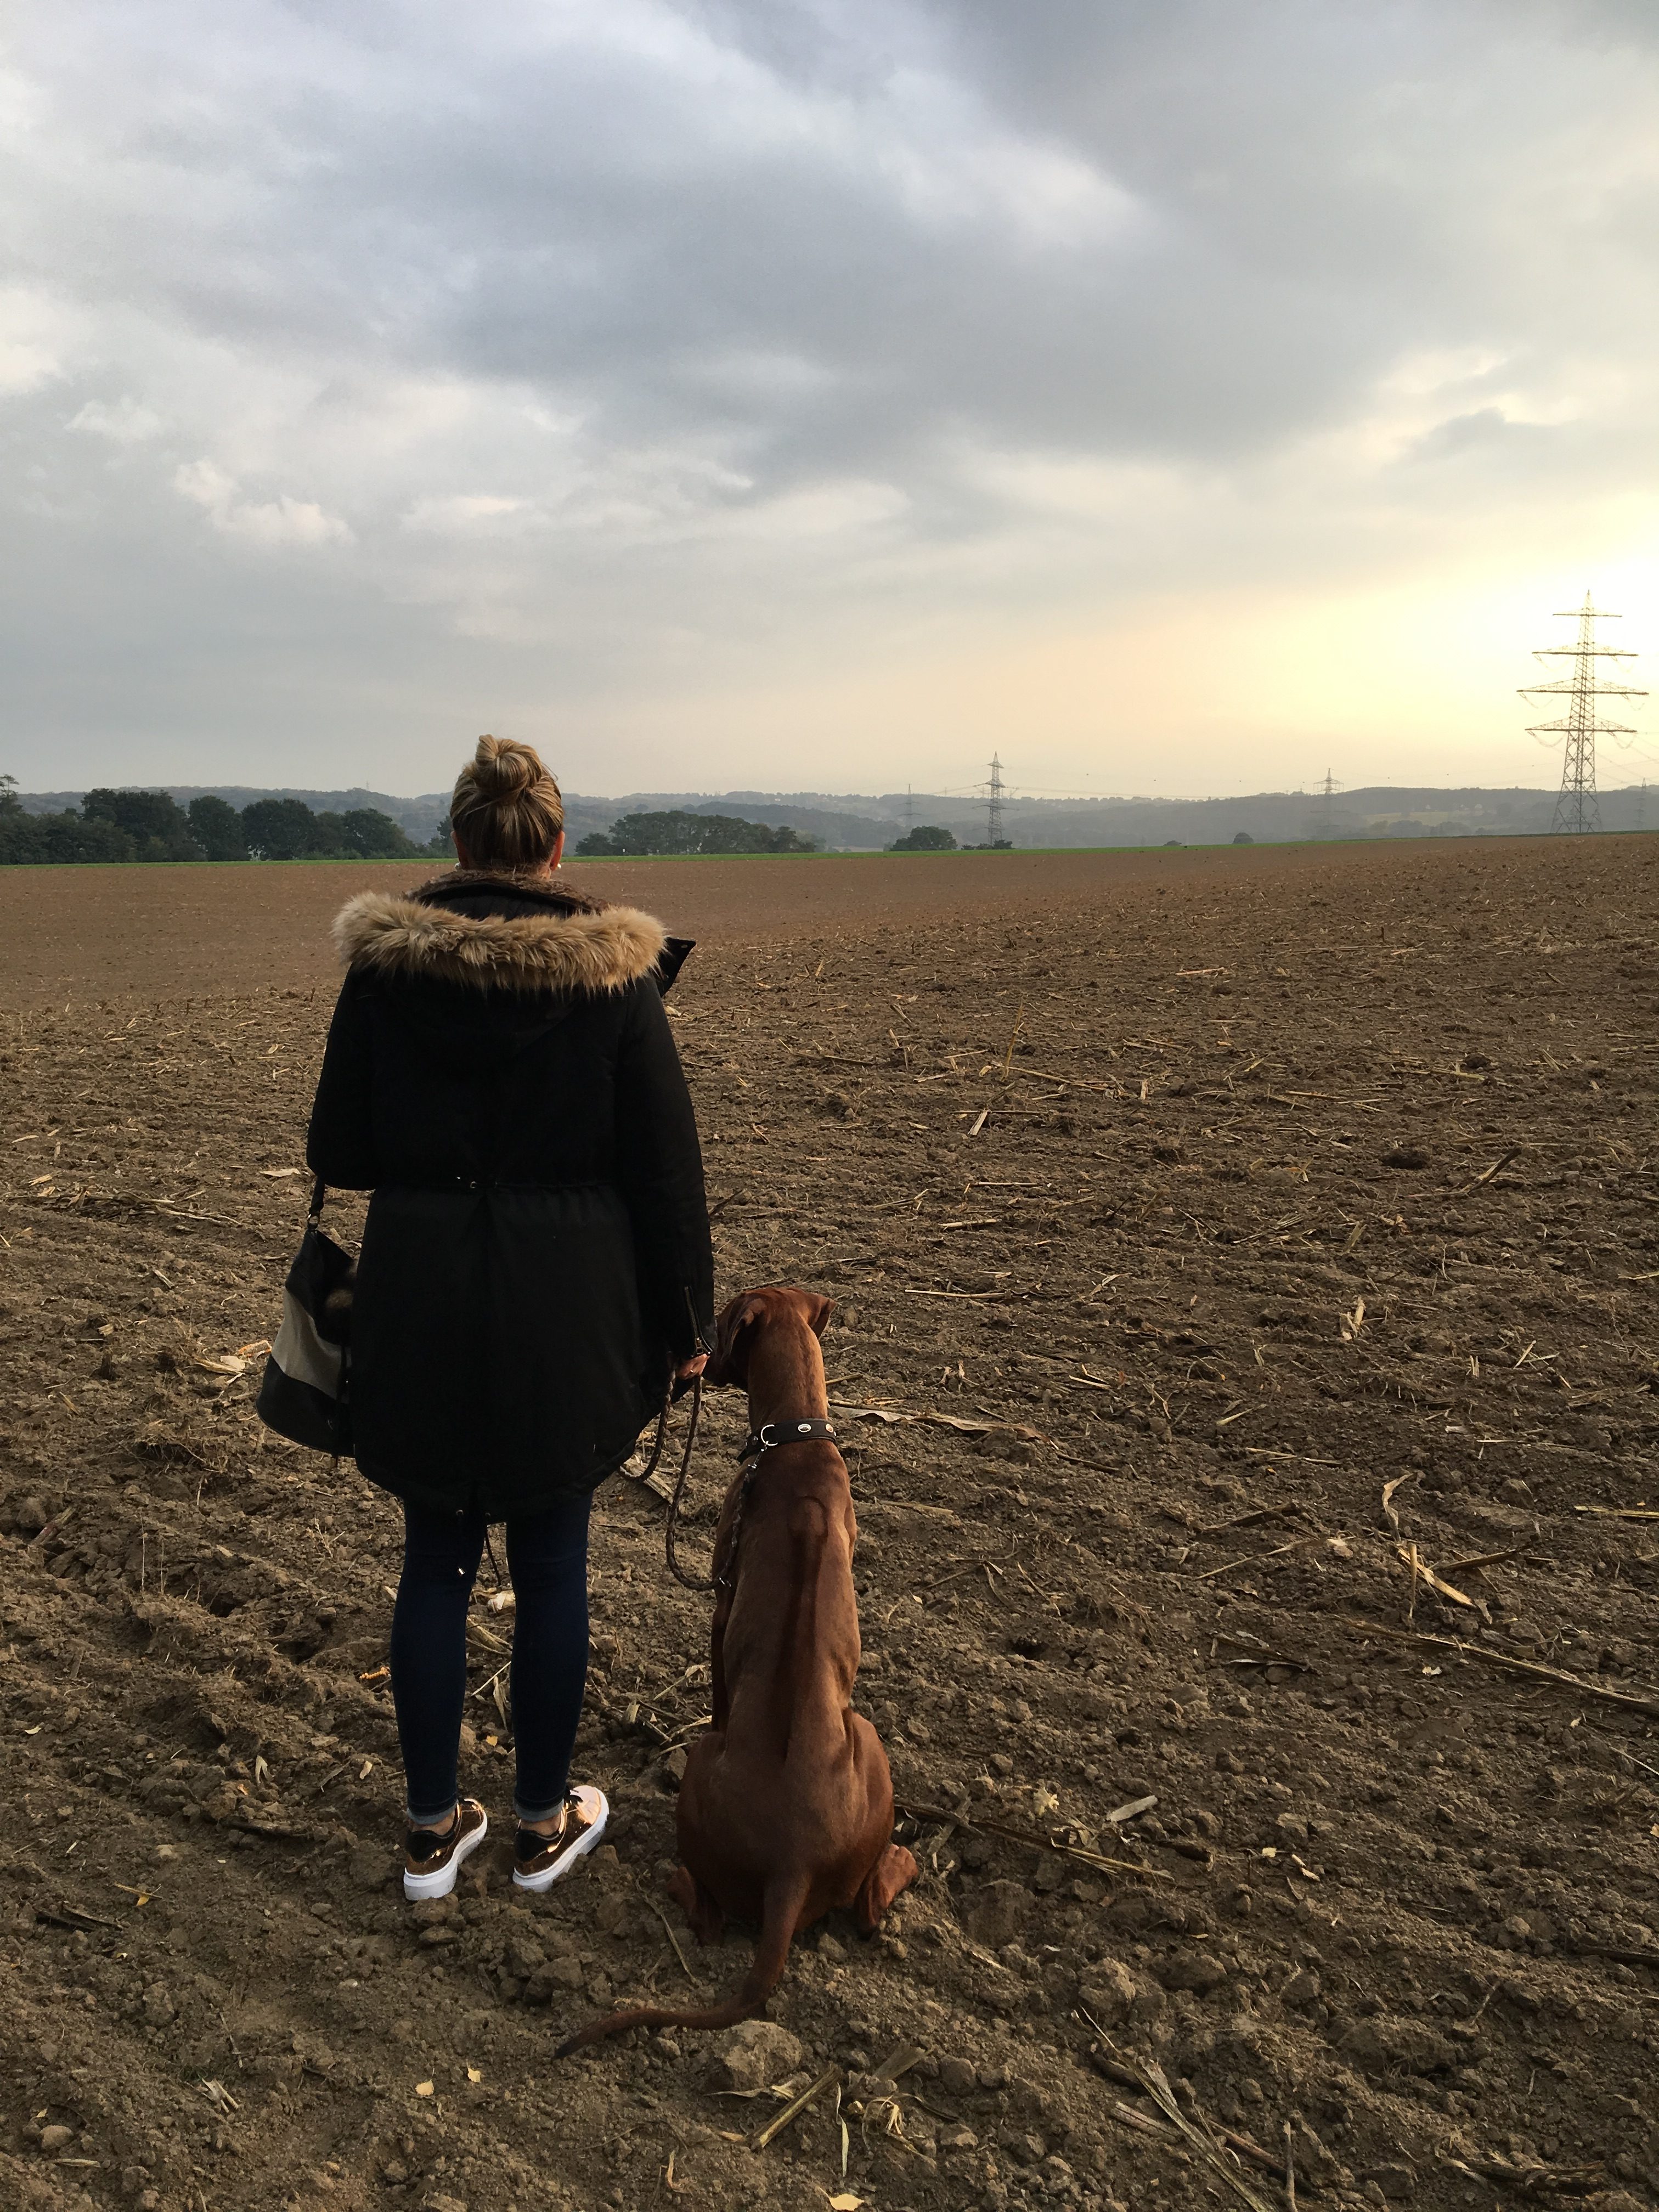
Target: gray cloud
point(365, 373)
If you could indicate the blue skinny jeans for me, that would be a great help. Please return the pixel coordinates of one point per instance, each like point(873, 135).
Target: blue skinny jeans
point(547, 1558)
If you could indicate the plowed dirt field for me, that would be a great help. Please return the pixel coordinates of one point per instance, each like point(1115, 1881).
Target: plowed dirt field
point(1245, 1266)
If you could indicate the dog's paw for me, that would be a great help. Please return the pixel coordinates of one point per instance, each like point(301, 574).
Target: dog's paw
point(892, 1873)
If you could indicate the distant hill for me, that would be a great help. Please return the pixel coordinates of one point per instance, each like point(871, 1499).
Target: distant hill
point(1267, 817)
point(848, 822)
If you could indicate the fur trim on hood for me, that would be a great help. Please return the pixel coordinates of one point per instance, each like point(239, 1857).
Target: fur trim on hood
point(569, 951)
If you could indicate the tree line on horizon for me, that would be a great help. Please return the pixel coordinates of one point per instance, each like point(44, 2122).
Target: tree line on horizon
point(133, 824)
point(675, 831)
point(150, 825)
point(140, 825)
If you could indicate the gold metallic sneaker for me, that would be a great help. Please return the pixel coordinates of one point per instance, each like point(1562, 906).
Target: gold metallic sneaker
point(540, 1861)
point(433, 1860)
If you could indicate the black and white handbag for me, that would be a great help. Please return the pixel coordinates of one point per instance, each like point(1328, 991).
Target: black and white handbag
point(305, 1393)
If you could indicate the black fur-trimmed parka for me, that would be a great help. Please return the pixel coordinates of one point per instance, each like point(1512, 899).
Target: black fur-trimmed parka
point(500, 1073)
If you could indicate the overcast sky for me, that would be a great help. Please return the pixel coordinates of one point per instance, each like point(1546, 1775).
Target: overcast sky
point(1180, 395)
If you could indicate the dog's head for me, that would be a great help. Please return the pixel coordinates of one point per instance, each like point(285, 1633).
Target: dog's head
point(740, 1322)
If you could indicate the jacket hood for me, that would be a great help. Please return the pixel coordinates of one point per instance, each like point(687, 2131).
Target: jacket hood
point(562, 948)
point(534, 886)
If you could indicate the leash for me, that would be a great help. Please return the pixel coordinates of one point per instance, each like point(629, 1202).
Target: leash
point(751, 1455)
point(671, 1528)
point(672, 1524)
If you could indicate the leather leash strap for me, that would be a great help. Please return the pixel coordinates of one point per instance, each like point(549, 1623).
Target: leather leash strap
point(756, 1446)
point(670, 1527)
point(672, 1524)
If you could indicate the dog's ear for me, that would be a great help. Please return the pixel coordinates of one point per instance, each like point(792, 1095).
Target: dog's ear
point(818, 1311)
point(728, 1362)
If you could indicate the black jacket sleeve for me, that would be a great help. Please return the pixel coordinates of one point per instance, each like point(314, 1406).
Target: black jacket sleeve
point(659, 1167)
point(339, 1145)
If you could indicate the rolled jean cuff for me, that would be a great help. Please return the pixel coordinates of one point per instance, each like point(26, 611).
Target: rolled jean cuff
point(438, 1819)
point(528, 1815)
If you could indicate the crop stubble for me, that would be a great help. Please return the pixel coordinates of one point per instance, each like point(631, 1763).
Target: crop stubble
point(1248, 1468)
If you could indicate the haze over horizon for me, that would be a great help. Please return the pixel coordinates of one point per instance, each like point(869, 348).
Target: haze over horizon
point(1179, 401)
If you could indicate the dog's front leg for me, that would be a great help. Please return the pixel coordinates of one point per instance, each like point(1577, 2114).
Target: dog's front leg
point(719, 1703)
point(725, 1581)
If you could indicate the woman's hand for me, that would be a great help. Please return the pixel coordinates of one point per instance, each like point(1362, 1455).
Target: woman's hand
point(688, 1368)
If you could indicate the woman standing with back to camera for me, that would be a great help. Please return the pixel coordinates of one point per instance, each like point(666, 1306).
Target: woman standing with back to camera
point(534, 1267)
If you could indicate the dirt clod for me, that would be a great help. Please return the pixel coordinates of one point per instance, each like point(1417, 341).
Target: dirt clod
point(1406, 1155)
point(752, 2055)
point(997, 1913)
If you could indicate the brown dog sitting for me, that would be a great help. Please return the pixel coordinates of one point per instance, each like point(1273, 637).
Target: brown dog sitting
point(786, 1808)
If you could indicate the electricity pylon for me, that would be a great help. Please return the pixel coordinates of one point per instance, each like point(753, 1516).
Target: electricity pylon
point(1576, 807)
point(993, 804)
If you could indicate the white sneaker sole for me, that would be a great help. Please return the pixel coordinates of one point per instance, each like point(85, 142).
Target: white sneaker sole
point(577, 1850)
point(419, 1886)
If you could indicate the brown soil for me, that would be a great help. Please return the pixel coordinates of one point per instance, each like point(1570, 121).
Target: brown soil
point(1226, 1304)
point(159, 933)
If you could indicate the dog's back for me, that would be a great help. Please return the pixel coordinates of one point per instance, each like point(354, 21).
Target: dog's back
point(785, 1809)
point(783, 1718)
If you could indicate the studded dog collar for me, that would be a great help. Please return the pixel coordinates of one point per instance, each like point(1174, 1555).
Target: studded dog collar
point(771, 1434)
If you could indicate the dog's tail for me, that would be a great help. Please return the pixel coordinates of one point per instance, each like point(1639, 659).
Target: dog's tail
point(779, 1915)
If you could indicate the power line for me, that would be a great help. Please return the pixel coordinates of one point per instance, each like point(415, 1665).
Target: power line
point(1575, 806)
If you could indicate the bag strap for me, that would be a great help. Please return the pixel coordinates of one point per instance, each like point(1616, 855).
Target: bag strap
point(319, 1199)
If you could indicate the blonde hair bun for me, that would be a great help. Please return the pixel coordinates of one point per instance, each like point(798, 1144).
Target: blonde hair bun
point(507, 806)
point(502, 769)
